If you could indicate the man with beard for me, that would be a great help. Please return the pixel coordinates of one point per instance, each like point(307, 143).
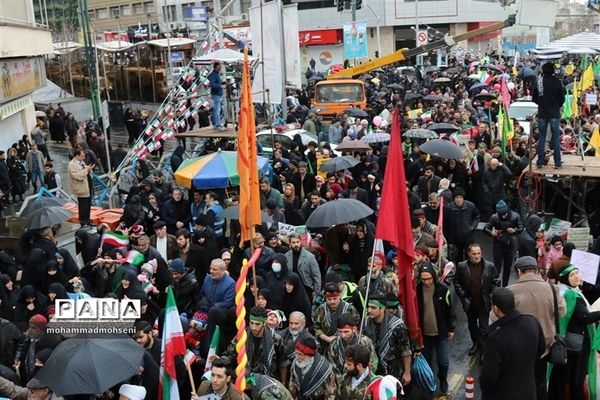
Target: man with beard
point(220, 385)
point(145, 338)
point(312, 375)
point(304, 263)
point(264, 347)
point(357, 376)
point(380, 284)
point(390, 337)
point(326, 315)
point(347, 337)
point(289, 336)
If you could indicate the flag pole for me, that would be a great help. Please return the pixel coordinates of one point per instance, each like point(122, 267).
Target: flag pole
point(369, 273)
point(191, 376)
point(252, 234)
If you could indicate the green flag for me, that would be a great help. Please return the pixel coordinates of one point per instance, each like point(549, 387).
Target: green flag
point(584, 62)
point(567, 111)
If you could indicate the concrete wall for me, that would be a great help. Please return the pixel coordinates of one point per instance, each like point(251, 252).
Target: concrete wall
point(24, 41)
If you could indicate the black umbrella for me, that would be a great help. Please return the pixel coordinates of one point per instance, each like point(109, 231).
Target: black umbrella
point(442, 148)
point(431, 69)
point(433, 97)
point(338, 164)
point(420, 133)
point(86, 365)
point(44, 201)
point(408, 71)
point(337, 212)
point(478, 86)
point(47, 216)
point(412, 96)
point(452, 70)
point(442, 79)
point(366, 77)
point(443, 127)
point(356, 112)
point(485, 97)
point(395, 86)
point(491, 66)
point(316, 78)
point(378, 70)
point(233, 212)
point(352, 146)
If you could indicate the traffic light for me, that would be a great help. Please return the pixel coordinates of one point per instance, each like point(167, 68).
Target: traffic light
point(340, 5)
point(358, 4)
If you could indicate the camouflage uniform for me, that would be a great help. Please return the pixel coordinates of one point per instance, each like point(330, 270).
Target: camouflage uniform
point(288, 343)
point(317, 383)
point(346, 295)
point(345, 391)
point(379, 286)
point(325, 319)
point(391, 342)
point(269, 357)
point(267, 388)
point(337, 348)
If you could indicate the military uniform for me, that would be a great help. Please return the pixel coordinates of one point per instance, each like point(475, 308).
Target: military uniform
point(337, 349)
point(267, 388)
point(288, 342)
point(325, 319)
point(316, 383)
point(379, 286)
point(265, 354)
point(392, 344)
point(349, 391)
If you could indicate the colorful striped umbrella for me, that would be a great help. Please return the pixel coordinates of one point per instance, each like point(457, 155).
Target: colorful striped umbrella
point(213, 171)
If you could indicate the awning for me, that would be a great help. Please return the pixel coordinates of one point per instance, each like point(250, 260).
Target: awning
point(579, 43)
point(223, 55)
point(65, 47)
point(115, 46)
point(173, 42)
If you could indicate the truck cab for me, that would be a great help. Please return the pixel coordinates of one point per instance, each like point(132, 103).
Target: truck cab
point(334, 96)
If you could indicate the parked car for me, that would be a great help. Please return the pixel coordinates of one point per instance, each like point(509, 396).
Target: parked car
point(523, 110)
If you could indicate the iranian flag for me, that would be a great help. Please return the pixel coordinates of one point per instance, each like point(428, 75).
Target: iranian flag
point(379, 251)
point(384, 388)
point(134, 257)
point(173, 344)
point(214, 343)
point(114, 239)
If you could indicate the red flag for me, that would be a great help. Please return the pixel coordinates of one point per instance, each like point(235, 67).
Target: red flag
point(439, 234)
point(505, 94)
point(396, 229)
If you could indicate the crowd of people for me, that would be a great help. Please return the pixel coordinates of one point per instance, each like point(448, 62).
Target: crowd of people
point(324, 317)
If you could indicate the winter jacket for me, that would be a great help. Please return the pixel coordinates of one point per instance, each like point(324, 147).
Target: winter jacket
point(78, 179)
point(185, 292)
point(493, 183)
point(459, 223)
point(527, 240)
point(308, 269)
point(220, 293)
point(505, 239)
point(551, 99)
point(509, 355)
point(442, 304)
point(174, 211)
point(462, 282)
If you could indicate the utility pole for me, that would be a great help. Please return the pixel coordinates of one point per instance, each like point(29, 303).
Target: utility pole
point(353, 8)
point(167, 13)
point(90, 57)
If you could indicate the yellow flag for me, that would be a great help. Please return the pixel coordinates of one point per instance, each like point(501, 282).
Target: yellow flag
point(587, 80)
point(414, 114)
point(569, 69)
point(575, 104)
point(595, 142)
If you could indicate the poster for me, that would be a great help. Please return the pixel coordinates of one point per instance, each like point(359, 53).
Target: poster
point(285, 230)
point(558, 227)
point(355, 40)
point(21, 76)
point(580, 237)
point(587, 263)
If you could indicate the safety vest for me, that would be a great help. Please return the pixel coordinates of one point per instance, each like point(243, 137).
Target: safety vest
point(219, 221)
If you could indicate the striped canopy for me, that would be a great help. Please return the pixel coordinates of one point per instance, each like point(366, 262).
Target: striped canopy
point(213, 171)
point(580, 43)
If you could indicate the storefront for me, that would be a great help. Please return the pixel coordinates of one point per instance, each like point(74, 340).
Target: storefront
point(324, 46)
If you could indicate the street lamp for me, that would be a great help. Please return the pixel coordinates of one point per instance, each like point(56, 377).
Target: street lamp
point(378, 24)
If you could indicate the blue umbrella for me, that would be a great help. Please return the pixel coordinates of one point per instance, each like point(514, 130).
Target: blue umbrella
point(422, 375)
point(478, 86)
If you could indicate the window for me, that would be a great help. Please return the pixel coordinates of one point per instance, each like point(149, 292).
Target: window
point(169, 13)
point(92, 14)
point(149, 7)
point(138, 8)
point(184, 5)
point(126, 9)
point(102, 13)
point(114, 12)
point(313, 4)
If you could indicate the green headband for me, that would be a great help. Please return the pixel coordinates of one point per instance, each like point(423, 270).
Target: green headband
point(392, 303)
point(567, 270)
point(376, 303)
point(256, 318)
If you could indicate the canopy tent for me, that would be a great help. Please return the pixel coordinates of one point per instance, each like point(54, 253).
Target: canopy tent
point(173, 42)
point(65, 47)
point(579, 43)
point(49, 93)
point(115, 46)
point(222, 55)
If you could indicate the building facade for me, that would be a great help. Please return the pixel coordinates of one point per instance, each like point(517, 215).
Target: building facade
point(121, 15)
point(23, 43)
